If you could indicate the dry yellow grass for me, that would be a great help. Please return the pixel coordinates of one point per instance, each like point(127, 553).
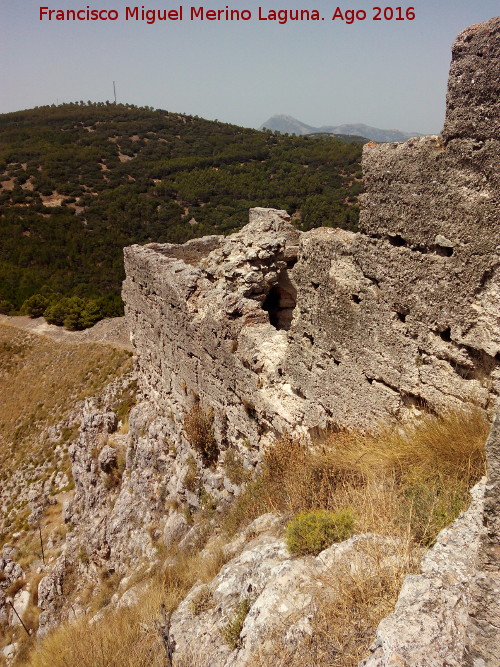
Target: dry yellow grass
point(403, 481)
point(127, 637)
point(407, 483)
point(349, 608)
point(41, 381)
point(124, 639)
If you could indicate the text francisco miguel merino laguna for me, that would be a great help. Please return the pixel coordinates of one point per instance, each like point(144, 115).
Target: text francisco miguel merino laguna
point(201, 13)
point(180, 13)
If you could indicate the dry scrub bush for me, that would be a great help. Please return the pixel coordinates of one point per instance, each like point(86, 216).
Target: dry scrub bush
point(350, 605)
point(14, 587)
point(123, 639)
point(198, 427)
point(127, 637)
point(403, 482)
point(233, 465)
point(203, 601)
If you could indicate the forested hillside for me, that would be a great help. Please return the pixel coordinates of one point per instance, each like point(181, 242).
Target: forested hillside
point(80, 181)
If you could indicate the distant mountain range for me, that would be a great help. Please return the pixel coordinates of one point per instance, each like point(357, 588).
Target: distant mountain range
point(291, 125)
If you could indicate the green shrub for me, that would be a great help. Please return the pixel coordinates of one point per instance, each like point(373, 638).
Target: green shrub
point(232, 630)
point(311, 532)
point(6, 307)
point(35, 306)
point(73, 312)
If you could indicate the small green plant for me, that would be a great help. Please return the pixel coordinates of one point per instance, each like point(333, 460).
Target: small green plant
point(198, 426)
point(202, 601)
point(428, 508)
point(311, 532)
point(231, 630)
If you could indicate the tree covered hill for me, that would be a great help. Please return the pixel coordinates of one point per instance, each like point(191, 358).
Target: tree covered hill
point(80, 181)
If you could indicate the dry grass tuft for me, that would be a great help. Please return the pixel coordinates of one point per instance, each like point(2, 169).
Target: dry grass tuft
point(413, 480)
point(198, 426)
point(203, 601)
point(127, 637)
point(124, 639)
point(348, 611)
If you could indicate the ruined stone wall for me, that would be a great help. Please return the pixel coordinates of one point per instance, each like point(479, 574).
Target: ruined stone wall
point(278, 330)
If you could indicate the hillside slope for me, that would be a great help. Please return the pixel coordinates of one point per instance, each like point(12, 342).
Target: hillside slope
point(78, 182)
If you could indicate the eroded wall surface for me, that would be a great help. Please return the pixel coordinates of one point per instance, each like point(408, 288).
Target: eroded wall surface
point(279, 330)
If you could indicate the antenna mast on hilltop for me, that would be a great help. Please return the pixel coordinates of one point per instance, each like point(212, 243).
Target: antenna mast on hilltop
point(114, 90)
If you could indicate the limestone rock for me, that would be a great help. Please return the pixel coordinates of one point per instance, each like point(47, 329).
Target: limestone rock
point(107, 458)
point(483, 645)
point(269, 592)
point(21, 603)
point(271, 330)
point(429, 625)
point(10, 572)
point(51, 597)
point(176, 527)
point(9, 652)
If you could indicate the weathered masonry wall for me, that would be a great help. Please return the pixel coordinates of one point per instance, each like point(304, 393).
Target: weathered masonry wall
point(279, 330)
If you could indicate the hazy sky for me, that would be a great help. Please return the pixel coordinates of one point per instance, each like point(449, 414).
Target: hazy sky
point(389, 74)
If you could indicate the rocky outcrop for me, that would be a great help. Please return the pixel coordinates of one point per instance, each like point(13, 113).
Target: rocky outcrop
point(430, 623)
point(263, 597)
point(449, 614)
point(483, 645)
point(10, 594)
point(98, 463)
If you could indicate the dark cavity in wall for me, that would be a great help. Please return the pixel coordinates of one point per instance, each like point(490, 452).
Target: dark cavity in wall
point(280, 302)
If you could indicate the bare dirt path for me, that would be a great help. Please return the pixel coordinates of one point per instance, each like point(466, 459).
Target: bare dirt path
point(111, 331)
